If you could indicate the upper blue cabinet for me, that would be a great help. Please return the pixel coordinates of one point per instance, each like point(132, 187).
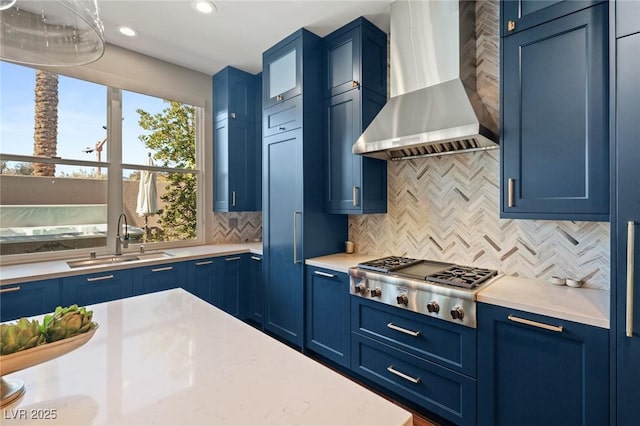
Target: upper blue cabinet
point(627, 18)
point(519, 15)
point(356, 56)
point(554, 136)
point(355, 91)
point(237, 141)
point(282, 71)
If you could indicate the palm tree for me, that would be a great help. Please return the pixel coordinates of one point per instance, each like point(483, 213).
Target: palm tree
point(45, 135)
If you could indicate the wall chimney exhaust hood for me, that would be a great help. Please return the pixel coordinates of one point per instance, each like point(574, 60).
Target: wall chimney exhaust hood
point(434, 108)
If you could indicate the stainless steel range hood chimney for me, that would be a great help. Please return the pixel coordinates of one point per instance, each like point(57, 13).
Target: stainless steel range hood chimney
point(434, 108)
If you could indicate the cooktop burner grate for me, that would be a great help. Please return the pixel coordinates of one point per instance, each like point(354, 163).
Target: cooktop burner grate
point(462, 276)
point(388, 264)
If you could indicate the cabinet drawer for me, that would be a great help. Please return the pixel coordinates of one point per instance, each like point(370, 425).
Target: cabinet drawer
point(283, 117)
point(438, 341)
point(446, 393)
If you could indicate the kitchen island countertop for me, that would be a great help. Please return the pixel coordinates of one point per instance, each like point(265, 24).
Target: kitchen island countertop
point(583, 305)
point(169, 358)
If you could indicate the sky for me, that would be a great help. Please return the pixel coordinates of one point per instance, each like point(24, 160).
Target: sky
point(82, 113)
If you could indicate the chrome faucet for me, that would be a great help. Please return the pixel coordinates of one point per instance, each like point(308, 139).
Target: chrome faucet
point(122, 242)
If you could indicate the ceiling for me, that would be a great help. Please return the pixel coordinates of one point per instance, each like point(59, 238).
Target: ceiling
point(236, 34)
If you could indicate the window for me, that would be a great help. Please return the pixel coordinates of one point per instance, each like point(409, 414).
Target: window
point(65, 177)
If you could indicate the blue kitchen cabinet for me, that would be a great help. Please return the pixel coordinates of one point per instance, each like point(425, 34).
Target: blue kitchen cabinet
point(29, 298)
point(356, 56)
point(554, 141)
point(295, 224)
point(236, 144)
point(519, 15)
point(202, 279)
point(232, 274)
point(535, 370)
point(327, 314)
point(625, 228)
point(355, 184)
point(627, 17)
point(234, 95)
point(428, 361)
point(161, 277)
point(97, 288)
point(254, 307)
point(282, 68)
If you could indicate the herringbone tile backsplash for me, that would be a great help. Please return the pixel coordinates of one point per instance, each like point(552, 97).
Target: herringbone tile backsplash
point(447, 208)
point(238, 227)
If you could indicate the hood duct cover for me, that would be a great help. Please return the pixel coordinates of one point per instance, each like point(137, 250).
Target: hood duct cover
point(434, 108)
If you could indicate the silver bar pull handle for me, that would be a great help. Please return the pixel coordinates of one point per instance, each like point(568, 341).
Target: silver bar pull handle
point(403, 330)
point(204, 262)
point(233, 198)
point(102, 278)
point(324, 274)
point(166, 268)
point(556, 328)
point(295, 238)
point(10, 289)
point(511, 202)
point(356, 202)
point(630, 276)
point(392, 370)
point(256, 258)
point(231, 259)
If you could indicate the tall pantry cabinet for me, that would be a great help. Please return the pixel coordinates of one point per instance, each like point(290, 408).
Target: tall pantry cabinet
point(295, 225)
point(625, 224)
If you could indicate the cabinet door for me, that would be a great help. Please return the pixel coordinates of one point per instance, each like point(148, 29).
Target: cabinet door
point(202, 279)
point(518, 15)
point(627, 17)
point(97, 288)
point(282, 223)
point(545, 371)
point(28, 299)
point(233, 95)
point(234, 157)
point(282, 70)
point(327, 314)
point(231, 275)
point(555, 161)
point(343, 62)
point(255, 288)
point(159, 277)
point(628, 212)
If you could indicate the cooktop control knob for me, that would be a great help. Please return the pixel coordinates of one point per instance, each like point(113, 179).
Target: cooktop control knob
point(433, 307)
point(403, 299)
point(376, 292)
point(457, 313)
point(360, 289)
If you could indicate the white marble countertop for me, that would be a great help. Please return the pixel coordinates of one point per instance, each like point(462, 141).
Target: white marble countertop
point(583, 305)
point(340, 262)
point(169, 358)
point(12, 274)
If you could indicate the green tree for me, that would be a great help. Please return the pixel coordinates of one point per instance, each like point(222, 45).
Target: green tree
point(172, 139)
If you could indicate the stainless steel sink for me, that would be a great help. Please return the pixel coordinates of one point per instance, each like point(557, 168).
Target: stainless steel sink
point(112, 259)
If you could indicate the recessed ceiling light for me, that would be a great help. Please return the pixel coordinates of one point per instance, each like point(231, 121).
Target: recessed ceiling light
point(203, 6)
point(128, 31)
point(6, 4)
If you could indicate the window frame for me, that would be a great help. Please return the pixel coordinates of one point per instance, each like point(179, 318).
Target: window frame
point(115, 168)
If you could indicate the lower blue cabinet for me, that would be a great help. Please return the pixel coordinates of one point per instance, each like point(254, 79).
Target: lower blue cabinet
point(232, 272)
point(254, 300)
point(161, 277)
point(536, 370)
point(202, 279)
point(428, 361)
point(97, 288)
point(327, 314)
point(28, 299)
